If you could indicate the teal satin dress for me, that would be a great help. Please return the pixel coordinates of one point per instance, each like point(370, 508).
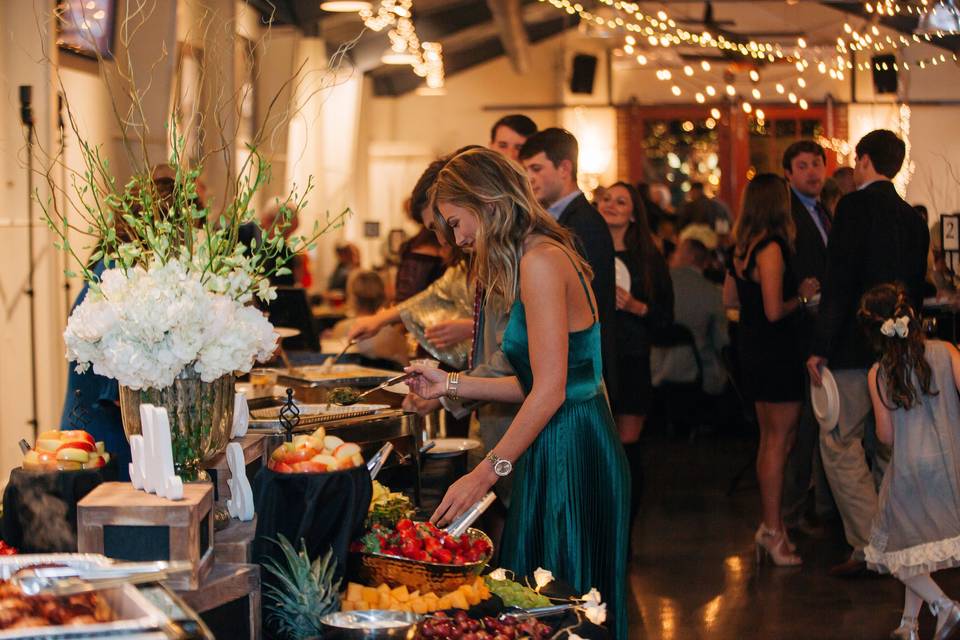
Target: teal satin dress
point(570, 506)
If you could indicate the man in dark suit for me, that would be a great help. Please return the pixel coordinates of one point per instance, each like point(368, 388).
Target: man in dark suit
point(804, 166)
point(550, 158)
point(876, 238)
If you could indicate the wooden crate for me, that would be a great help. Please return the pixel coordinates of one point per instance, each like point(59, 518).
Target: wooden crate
point(120, 522)
point(234, 545)
point(228, 600)
point(254, 457)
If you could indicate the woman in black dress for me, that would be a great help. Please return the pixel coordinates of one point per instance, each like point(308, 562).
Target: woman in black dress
point(770, 349)
point(645, 308)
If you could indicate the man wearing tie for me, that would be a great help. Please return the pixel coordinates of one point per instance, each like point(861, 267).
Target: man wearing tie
point(804, 166)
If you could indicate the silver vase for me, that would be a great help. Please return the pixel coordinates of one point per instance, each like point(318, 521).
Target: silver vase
point(201, 418)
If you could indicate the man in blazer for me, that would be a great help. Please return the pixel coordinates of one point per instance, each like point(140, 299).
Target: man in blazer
point(550, 158)
point(876, 238)
point(804, 166)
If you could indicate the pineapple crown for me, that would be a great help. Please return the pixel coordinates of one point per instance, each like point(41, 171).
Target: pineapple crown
point(304, 591)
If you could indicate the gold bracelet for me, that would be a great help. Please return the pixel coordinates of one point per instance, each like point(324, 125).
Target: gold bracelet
point(453, 385)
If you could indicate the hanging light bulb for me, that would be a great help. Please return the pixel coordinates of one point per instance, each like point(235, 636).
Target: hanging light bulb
point(688, 70)
point(754, 75)
point(803, 104)
point(792, 97)
point(747, 107)
point(705, 65)
point(731, 91)
point(760, 115)
point(675, 90)
point(642, 59)
point(711, 91)
point(780, 88)
point(700, 97)
point(756, 94)
point(801, 83)
point(715, 113)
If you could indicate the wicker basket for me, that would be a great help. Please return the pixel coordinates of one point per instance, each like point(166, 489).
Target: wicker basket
point(425, 577)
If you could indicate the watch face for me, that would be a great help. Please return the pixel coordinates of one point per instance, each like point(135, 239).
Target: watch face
point(503, 467)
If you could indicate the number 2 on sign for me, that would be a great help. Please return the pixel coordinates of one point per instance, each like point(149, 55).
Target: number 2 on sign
point(951, 237)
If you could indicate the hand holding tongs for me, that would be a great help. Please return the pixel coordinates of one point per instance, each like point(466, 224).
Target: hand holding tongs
point(63, 581)
point(468, 517)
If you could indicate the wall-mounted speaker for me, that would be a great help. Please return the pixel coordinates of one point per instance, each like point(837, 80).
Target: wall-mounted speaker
point(884, 73)
point(584, 71)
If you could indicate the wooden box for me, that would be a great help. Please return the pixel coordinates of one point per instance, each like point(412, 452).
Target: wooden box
point(254, 457)
point(120, 522)
point(228, 601)
point(234, 544)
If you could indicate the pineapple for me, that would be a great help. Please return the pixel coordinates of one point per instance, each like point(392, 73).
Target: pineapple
point(304, 592)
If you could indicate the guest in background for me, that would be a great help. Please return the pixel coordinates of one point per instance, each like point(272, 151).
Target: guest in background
point(703, 209)
point(804, 165)
point(845, 180)
point(597, 196)
point(422, 258)
point(876, 238)
point(509, 133)
point(770, 351)
point(830, 195)
point(913, 390)
point(550, 159)
point(655, 212)
point(643, 308)
point(366, 295)
point(666, 236)
point(348, 259)
point(698, 306)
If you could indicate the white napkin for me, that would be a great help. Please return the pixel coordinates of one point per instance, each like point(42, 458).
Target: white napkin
point(241, 416)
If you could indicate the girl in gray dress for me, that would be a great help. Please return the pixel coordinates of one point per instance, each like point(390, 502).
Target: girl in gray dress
point(914, 387)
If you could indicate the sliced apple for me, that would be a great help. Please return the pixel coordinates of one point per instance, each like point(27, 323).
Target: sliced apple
point(48, 444)
point(77, 444)
point(357, 460)
point(74, 455)
point(282, 450)
point(106, 457)
point(77, 434)
point(346, 451)
point(320, 434)
point(328, 461)
point(53, 434)
point(95, 462)
point(331, 442)
point(69, 465)
point(31, 461)
point(306, 441)
point(101, 447)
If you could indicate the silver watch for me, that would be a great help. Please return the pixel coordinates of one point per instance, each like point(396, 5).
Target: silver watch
point(501, 467)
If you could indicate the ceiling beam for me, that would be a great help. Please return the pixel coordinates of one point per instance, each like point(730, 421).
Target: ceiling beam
point(508, 16)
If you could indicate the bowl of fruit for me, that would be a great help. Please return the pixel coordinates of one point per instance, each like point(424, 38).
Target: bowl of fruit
point(315, 453)
point(65, 451)
point(421, 556)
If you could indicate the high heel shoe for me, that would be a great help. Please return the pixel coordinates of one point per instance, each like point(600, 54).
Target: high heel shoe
point(948, 620)
point(772, 544)
point(908, 630)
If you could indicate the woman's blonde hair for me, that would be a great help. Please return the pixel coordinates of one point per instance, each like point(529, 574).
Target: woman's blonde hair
point(765, 213)
point(499, 194)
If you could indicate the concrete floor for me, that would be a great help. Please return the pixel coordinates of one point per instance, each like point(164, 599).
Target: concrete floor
point(693, 575)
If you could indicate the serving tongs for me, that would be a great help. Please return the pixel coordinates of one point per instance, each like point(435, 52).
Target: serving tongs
point(462, 522)
point(63, 581)
point(386, 383)
point(375, 463)
point(537, 612)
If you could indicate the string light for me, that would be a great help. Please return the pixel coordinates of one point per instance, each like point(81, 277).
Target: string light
point(903, 178)
point(426, 58)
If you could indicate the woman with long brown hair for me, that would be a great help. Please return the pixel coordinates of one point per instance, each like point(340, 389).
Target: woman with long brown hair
point(643, 307)
point(771, 358)
point(913, 388)
point(570, 500)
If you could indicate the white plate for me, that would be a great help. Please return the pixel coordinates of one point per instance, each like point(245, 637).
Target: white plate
point(449, 447)
point(400, 388)
point(622, 274)
point(286, 332)
point(826, 401)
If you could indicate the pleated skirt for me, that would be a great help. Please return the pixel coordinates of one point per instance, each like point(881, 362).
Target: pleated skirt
point(570, 507)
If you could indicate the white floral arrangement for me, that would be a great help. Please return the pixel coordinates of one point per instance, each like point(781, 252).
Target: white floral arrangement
point(145, 326)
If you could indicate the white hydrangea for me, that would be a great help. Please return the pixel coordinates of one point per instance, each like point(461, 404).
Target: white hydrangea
point(143, 327)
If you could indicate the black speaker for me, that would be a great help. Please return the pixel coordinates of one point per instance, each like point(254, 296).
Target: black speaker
point(584, 70)
point(884, 73)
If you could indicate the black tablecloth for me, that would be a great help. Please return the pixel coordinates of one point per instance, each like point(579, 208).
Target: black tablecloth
point(40, 507)
point(325, 509)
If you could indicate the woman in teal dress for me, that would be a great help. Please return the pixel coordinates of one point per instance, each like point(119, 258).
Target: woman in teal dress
point(570, 503)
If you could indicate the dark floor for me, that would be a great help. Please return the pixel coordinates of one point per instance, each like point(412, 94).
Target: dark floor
point(694, 575)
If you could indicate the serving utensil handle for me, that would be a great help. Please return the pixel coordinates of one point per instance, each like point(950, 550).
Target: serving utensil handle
point(468, 517)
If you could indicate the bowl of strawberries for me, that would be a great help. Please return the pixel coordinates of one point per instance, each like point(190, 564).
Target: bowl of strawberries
point(421, 556)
